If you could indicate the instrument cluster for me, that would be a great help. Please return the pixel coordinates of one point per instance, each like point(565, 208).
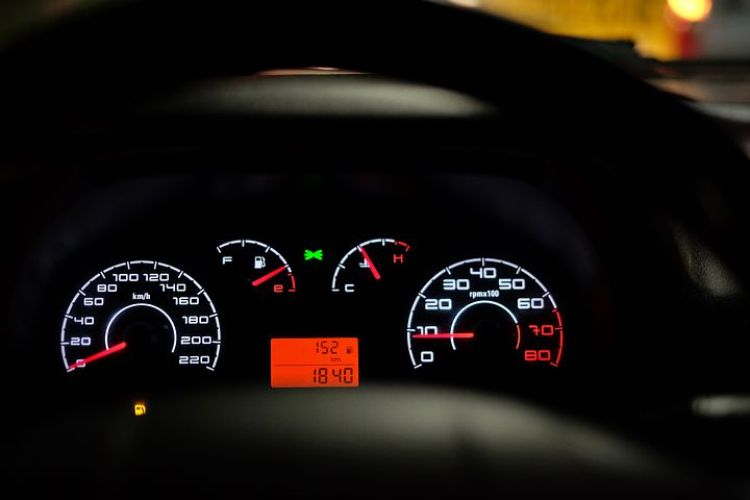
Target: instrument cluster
point(315, 283)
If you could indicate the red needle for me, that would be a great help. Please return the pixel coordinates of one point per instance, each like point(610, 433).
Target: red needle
point(435, 336)
point(268, 276)
point(369, 263)
point(99, 355)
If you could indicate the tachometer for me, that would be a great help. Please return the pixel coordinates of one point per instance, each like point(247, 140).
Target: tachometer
point(484, 314)
point(141, 313)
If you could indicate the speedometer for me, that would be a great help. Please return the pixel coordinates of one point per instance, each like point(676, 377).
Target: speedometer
point(484, 315)
point(142, 314)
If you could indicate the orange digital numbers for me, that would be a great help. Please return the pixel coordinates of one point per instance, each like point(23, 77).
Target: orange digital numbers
point(315, 362)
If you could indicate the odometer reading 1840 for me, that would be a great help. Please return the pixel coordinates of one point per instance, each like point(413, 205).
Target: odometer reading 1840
point(315, 362)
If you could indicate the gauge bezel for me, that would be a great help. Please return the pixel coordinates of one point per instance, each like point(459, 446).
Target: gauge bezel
point(112, 315)
point(557, 331)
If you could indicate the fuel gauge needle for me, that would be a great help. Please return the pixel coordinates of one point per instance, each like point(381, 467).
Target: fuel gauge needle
point(99, 355)
point(370, 265)
point(268, 276)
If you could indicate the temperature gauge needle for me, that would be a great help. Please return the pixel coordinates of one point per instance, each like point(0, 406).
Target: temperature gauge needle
point(99, 355)
point(370, 265)
point(268, 276)
point(438, 336)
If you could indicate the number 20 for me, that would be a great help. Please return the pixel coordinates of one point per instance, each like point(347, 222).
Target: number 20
point(438, 304)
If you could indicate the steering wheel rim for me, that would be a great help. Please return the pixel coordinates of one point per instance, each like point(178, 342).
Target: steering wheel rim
point(121, 53)
point(408, 39)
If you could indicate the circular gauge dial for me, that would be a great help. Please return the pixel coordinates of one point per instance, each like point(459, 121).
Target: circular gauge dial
point(484, 315)
point(142, 313)
point(366, 264)
point(258, 265)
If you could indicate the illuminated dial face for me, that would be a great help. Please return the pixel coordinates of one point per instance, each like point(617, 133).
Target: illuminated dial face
point(481, 316)
point(140, 315)
point(257, 266)
point(368, 264)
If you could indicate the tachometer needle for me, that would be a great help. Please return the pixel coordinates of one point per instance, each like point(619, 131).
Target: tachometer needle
point(368, 260)
point(268, 276)
point(99, 355)
point(437, 336)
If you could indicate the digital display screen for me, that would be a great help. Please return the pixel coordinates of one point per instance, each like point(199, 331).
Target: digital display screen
point(315, 362)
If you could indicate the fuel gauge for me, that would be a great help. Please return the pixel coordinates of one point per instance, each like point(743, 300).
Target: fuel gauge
point(257, 265)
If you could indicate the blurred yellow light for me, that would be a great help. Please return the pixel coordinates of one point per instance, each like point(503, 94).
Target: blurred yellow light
point(692, 11)
point(471, 4)
point(139, 408)
point(650, 24)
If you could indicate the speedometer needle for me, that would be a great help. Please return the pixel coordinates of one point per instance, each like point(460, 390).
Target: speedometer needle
point(368, 260)
point(99, 355)
point(437, 336)
point(268, 276)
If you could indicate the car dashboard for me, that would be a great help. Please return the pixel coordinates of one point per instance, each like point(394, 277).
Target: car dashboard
point(204, 243)
point(199, 275)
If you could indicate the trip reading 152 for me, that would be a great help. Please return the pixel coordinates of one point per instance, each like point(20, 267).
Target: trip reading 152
point(315, 362)
point(327, 346)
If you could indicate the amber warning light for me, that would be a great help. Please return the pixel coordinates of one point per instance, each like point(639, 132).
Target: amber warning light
point(315, 362)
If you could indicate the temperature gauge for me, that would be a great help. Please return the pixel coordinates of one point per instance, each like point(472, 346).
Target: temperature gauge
point(368, 264)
